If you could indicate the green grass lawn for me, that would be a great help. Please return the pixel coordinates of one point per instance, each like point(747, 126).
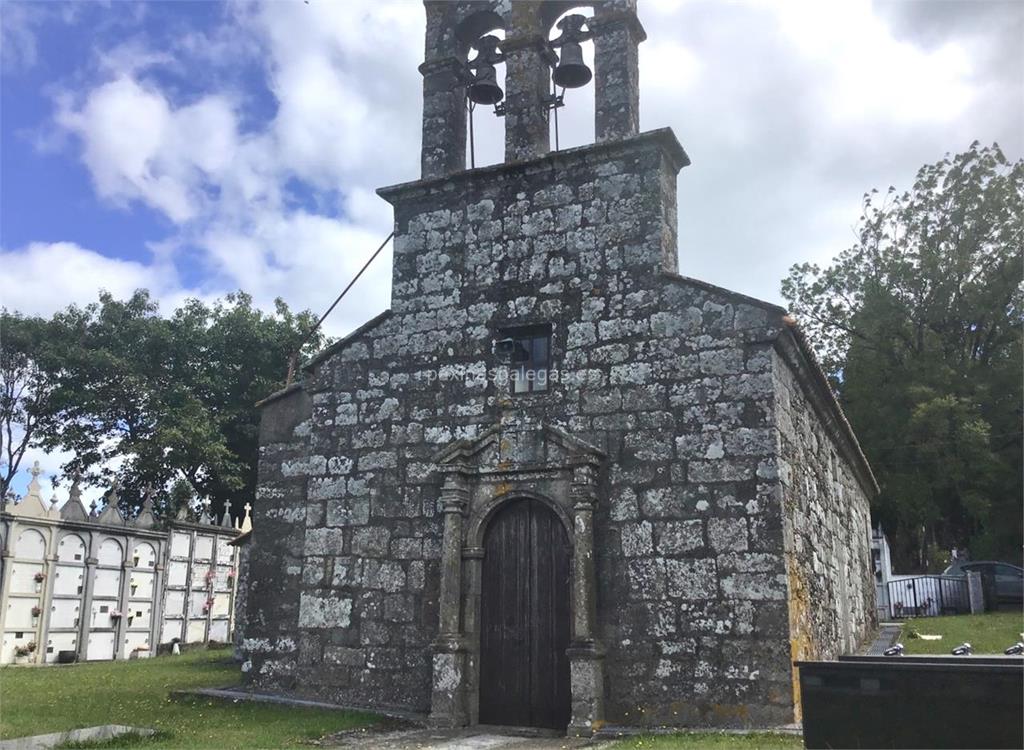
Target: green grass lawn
point(988, 633)
point(53, 699)
point(714, 741)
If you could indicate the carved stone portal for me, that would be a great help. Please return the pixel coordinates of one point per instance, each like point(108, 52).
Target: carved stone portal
point(540, 462)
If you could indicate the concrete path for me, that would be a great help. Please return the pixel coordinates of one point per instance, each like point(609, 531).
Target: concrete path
point(888, 634)
point(468, 739)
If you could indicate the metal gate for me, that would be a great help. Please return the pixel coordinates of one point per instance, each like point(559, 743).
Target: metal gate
point(928, 596)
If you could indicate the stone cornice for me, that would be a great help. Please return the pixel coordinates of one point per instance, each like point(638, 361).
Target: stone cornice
point(111, 529)
point(341, 343)
point(204, 528)
point(722, 291)
point(663, 139)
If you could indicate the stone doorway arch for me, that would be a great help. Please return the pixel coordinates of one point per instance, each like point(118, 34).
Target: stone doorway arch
point(524, 617)
point(544, 464)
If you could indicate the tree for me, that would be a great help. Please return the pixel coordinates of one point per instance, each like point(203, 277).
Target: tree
point(24, 392)
point(919, 326)
point(165, 400)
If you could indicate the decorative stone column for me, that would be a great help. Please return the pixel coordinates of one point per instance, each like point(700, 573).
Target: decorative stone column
point(586, 656)
point(617, 36)
point(157, 608)
point(121, 629)
point(88, 586)
point(46, 600)
point(448, 698)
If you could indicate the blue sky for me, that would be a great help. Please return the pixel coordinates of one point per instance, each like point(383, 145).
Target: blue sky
point(195, 148)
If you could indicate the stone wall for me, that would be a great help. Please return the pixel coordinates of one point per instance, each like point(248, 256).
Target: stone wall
point(674, 380)
point(826, 489)
point(288, 458)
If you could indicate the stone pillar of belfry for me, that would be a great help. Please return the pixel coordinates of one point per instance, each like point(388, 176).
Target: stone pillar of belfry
point(448, 696)
point(617, 34)
point(443, 148)
point(527, 83)
point(586, 656)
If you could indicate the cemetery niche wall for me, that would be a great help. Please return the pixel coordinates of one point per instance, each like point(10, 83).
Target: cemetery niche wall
point(79, 584)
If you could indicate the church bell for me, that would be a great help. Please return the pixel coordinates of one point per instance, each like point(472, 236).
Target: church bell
point(483, 88)
point(571, 72)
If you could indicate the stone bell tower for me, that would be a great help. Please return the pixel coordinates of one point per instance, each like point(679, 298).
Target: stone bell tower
point(625, 173)
point(453, 26)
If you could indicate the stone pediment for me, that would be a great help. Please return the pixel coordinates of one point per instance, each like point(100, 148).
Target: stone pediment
point(112, 516)
point(73, 510)
point(33, 505)
point(522, 448)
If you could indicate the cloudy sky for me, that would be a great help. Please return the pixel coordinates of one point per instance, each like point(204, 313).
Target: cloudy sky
point(195, 148)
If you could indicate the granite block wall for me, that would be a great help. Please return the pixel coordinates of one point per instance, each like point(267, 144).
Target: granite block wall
point(701, 530)
point(825, 488)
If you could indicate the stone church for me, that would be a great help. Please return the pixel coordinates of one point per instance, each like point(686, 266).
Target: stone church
point(557, 483)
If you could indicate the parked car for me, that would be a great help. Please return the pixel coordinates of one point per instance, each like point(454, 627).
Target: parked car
point(1008, 579)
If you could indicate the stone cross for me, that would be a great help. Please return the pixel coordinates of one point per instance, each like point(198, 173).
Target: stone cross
point(33, 485)
point(205, 517)
point(75, 493)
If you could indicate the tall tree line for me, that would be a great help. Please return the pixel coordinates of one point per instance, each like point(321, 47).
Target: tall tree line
point(919, 326)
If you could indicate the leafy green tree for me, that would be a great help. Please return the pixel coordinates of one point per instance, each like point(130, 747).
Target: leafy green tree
point(24, 391)
point(919, 326)
point(168, 401)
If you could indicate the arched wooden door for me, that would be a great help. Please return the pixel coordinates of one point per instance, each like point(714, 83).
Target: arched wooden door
point(524, 619)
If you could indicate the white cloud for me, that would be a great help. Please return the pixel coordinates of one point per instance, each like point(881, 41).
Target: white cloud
point(872, 76)
point(302, 256)
point(789, 110)
point(18, 44)
point(137, 146)
point(43, 277)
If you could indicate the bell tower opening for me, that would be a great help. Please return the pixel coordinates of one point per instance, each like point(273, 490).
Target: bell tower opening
point(572, 90)
point(546, 44)
point(485, 91)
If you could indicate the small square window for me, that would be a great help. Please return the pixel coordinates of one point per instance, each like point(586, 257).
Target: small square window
point(528, 352)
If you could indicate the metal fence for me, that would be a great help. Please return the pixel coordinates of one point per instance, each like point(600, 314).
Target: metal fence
point(928, 596)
